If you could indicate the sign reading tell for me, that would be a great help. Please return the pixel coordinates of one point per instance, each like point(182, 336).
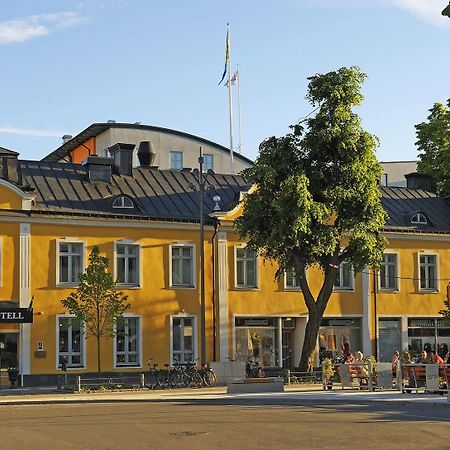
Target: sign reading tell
point(16, 315)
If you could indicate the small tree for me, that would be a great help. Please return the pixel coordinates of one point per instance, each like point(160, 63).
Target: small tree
point(96, 302)
point(317, 201)
point(433, 141)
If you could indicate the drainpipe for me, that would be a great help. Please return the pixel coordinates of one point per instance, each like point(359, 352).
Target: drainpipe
point(213, 252)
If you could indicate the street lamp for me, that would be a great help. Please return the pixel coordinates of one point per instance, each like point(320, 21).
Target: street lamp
point(446, 11)
point(201, 179)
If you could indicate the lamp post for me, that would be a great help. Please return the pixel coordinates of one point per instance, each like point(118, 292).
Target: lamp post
point(200, 185)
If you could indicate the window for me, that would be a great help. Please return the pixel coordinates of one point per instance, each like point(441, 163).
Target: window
point(123, 202)
point(208, 162)
point(127, 342)
point(70, 261)
point(127, 264)
point(176, 160)
point(344, 279)
point(388, 272)
point(182, 265)
point(70, 341)
point(291, 279)
point(419, 218)
point(183, 340)
point(428, 272)
point(246, 268)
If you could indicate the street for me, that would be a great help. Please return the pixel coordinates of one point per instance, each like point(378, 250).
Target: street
point(225, 424)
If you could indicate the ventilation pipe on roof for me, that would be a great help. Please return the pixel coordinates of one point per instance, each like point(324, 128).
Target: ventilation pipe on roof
point(10, 168)
point(123, 158)
point(415, 180)
point(98, 168)
point(146, 153)
point(67, 138)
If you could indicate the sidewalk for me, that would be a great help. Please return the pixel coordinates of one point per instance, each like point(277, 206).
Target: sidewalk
point(293, 394)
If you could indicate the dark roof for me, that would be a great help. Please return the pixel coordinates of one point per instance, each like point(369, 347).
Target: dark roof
point(6, 152)
point(62, 188)
point(401, 203)
point(96, 128)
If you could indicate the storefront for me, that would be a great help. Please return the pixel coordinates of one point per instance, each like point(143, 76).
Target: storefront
point(428, 334)
point(270, 341)
point(337, 334)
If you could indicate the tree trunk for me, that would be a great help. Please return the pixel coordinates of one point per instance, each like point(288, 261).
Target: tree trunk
point(310, 341)
point(98, 357)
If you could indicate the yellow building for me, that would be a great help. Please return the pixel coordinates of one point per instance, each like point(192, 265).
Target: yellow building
point(145, 220)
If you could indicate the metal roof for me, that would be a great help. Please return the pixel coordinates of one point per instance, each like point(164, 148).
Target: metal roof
point(6, 152)
point(96, 128)
point(64, 189)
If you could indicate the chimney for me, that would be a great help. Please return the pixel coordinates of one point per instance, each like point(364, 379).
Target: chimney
point(9, 166)
point(415, 180)
point(123, 158)
point(146, 153)
point(67, 138)
point(98, 168)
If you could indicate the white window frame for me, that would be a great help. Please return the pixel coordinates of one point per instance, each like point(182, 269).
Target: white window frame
point(246, 287)
point(193, 269)
point(397, 271)
point(341, 288)
point(138, 364)
point(212, 161)
point(83, 343)
point(194, 335)
point(416, 218)
point(121, 199)
point(178, 152)
point(138, 284)
point(64, 284)
point(427, 290)
point(295, 287)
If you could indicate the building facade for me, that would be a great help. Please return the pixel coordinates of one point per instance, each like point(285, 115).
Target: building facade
point(146, 221)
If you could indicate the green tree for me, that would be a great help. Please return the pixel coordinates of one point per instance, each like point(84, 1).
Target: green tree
point(433, 140)
point(317, 201)
point(97, 302)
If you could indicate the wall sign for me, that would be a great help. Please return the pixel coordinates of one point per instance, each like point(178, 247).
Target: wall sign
point(16, 315)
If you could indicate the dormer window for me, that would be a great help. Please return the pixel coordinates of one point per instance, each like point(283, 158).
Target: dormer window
point(419, 218)
point(123, 202)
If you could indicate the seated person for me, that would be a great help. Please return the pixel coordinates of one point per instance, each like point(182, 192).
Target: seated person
point(422, 358)
point(436, 358)
point(361, 366)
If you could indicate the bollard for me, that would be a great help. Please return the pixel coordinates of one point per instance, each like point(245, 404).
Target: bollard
point(288, 376)
point(142, 381)
point(370, 386)
point(78, 384)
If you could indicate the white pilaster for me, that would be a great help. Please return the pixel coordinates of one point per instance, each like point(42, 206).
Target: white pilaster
point(280, 341)
point(367, 312)
point(404, 333)
point(222, 278)
point(24, 296)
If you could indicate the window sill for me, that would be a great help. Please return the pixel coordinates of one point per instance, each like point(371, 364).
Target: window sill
point(183, 287)
point(428, 291)
point(128, 366)
point(343, 289)
point(246, 288)
point(388, 291)
point(66, 285)
point(293, 288)
point(71, 369)
point(128, 286)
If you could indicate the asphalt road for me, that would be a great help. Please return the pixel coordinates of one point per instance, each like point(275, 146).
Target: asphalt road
point(225, 424)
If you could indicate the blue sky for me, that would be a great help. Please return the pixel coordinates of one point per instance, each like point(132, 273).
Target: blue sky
point(67, 64)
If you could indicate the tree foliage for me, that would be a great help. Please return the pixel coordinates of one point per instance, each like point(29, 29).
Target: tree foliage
point(433, 141)
point(317, 201)
point(96, 302)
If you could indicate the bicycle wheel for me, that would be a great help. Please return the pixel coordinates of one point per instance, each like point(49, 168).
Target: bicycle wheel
point(175, 380)
point(209, 378)
point(196, 380)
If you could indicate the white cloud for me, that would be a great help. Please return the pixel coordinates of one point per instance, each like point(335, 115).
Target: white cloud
point(428, 10)
point(32, 27)
point(30, 132)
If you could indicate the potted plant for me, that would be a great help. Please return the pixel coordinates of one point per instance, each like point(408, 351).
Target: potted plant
point(328, 372)
point(13, 375)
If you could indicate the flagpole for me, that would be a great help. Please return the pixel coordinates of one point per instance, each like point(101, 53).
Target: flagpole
point(230, 99)
point(238, 83)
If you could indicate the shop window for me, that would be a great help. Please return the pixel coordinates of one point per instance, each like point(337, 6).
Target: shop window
point(70, 343)
point(208, 162)
point(183, 343)
point(425, 334)
point(344, 280)
point(176, 160)
point(70, 261)
point(127, 264)
point(182, 270)
point(428, 272)
point(388, 272)
point(339, 335)
point(291, 279)
point(127, 342)
point(246, 268)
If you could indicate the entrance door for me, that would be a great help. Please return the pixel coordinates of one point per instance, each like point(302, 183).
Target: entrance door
point(287, 350)
point(8, 349)
point(389, 338)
